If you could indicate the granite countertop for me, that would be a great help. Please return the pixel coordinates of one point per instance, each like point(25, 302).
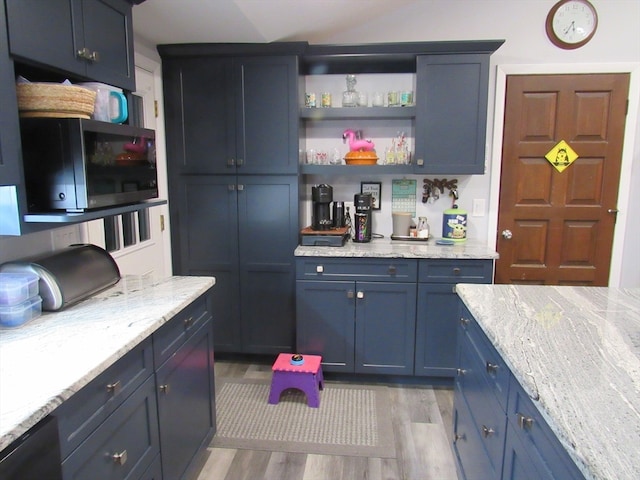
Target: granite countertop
point(387, 248)
point(45, 361)
point(576, 352)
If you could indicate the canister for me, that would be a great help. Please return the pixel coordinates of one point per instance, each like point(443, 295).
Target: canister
point(454, 224)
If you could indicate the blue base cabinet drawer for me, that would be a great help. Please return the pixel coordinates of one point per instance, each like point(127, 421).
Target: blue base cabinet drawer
point(369, 269)
point(168, 338)
point(122, 447)
point(89, 407)
point(532, 450)
point(455, 271)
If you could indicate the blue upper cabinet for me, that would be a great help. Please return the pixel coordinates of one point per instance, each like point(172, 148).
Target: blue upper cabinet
point(451, 118)
point(9, 128)
point(239, 112)
point(90, 39)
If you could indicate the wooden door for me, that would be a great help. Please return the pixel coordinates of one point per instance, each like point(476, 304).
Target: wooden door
point(556, 228)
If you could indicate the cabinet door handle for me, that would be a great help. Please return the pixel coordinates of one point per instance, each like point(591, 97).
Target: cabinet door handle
point(350, 294)
point(119, 458)
point(240, 187)
point(114, 387)
point(84, 53)
point(94, 57)
point(524, 422)
point(231, 187)
point(464, 321)
point(164, 388)
point(459, 436)
point(487, 431)
point(492, 368)
point(420, 162)
point(360, 294)
point(239, 162)
point(461, 372)
point(231, 162)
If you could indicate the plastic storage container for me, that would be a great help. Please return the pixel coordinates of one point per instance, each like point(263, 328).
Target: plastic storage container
point(16, 288)
point(16, 315)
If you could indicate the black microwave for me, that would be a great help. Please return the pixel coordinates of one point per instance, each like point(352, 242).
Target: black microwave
point(74, 164)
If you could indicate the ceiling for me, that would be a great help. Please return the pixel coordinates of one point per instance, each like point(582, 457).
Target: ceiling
point(245, 21)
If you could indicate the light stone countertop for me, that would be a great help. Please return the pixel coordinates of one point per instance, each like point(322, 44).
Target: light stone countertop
point(576, 352)
point(387, 248)
point(45, 361)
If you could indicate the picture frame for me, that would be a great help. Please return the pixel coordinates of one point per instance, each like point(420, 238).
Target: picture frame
point(375, 189)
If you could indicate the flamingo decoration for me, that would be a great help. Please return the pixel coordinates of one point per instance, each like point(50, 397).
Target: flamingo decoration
point(356, 144)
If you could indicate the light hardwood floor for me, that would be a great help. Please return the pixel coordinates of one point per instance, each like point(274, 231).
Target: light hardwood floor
point(421, 418)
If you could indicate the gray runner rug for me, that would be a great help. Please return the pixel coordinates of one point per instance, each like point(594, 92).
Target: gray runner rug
point(351, 420)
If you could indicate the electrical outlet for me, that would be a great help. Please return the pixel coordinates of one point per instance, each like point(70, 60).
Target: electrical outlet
point(478, 207)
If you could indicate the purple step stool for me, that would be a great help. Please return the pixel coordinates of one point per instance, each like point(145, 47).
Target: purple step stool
point(306, 377)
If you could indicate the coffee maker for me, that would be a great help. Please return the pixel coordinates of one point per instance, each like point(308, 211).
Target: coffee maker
point(362, 217)
point(322, 196)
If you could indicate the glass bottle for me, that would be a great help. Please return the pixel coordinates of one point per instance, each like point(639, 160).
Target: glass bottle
point(350, 96)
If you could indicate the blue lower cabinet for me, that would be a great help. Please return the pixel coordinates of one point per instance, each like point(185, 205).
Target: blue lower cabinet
point(325, 314)
point(361, 327)
point(385, 327)
point(186, 409)
point(499, 432)
point(470, 445)
point(436, 327)
point(123, 446)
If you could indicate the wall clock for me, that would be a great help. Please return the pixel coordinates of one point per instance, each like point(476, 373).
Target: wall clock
point(571, 23)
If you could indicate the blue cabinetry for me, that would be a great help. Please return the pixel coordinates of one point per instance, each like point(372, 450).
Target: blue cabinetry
point(185, 389)
point(451, 119)
point(437, 311)
point(151, 414)
point(89, 38)
point(359, 314)
point(498, 431)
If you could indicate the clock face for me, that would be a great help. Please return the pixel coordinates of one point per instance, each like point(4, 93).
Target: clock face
point(571, 23)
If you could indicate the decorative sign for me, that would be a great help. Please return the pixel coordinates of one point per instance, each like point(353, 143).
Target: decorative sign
point(561, 156)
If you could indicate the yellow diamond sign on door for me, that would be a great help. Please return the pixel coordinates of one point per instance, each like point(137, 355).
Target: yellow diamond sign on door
point(561, 156)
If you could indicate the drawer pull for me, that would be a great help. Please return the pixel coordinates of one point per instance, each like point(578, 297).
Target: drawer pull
point(114, 387)
point(164, 388)
point(188, 322)
point(392, 270)
point(461, 372)
point(492, 368)
point(465, 321)
point(360, 294)
point(319, 269)
point(487, 432)
point(456, 271)
point(524, 422)
point(119, 458)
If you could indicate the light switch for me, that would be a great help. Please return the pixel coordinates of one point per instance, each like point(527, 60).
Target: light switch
point(478, 207)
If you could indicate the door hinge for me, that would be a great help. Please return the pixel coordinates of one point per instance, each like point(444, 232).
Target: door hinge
point(155, 107)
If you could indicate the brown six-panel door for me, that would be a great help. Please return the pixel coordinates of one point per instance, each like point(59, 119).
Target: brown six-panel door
point(556, 228)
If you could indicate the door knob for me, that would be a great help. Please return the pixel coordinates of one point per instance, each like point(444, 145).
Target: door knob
point(506, 234)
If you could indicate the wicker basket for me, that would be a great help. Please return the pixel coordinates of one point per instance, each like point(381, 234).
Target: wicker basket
point(55, 100)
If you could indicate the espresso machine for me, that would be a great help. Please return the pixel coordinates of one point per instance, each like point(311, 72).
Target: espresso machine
point(322, 196)
point(362, 203)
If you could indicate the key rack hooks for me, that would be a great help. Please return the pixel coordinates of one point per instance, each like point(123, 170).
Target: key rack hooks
point(432, 189)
